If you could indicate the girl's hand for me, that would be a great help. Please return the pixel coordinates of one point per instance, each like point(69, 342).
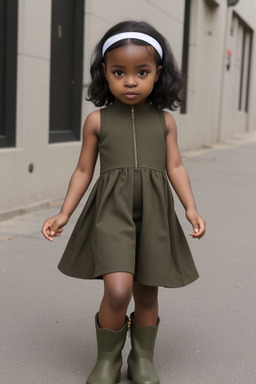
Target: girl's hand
point(53, 226)
point(198, 224)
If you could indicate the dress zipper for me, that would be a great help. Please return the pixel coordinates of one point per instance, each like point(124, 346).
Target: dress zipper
point(134, 138)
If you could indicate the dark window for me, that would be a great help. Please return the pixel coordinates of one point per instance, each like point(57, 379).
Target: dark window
point(66, 69)
point(8, 71)
point(248, 74)
point(245, 67)
point(185, 54)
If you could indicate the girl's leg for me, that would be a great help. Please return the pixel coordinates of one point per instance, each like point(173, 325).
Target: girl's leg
point(111, 328)
point(146, 304)
point(117, 295)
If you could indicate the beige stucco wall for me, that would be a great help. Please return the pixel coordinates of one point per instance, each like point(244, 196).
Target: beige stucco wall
point(210, 116)
point(19, 187)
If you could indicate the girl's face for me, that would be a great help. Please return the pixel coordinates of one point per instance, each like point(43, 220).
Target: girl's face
point(131, 72)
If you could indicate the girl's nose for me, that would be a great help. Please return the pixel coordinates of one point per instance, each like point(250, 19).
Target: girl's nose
point(130, 82)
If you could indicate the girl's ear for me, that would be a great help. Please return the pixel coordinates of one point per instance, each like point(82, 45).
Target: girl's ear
point(158, 72)
point(105, 70)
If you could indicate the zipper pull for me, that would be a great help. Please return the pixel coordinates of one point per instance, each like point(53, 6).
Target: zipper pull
point(132, 111)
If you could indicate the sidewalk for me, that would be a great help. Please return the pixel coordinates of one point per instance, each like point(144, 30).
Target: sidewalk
point(207, 330)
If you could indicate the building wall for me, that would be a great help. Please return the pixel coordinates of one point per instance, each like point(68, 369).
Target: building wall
point(211, 116)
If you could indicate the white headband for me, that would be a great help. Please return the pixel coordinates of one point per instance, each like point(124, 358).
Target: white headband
point(132, 35)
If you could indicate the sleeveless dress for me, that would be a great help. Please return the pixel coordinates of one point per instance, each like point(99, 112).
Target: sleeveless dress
point(128, 223)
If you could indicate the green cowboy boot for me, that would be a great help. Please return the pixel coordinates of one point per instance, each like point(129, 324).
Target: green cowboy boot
point(141, 368)
point(107, 369)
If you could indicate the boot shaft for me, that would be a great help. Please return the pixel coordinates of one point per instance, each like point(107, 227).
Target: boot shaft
point(143, 337)
point(141, 368)
point(109, 340)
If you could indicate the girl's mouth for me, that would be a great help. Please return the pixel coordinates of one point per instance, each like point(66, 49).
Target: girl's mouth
point(130, 95)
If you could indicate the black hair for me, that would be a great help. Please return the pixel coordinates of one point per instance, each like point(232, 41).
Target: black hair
point(167, 90)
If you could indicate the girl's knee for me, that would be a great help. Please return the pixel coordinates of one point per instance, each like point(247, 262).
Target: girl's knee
point(118, 292)
point(118, 297)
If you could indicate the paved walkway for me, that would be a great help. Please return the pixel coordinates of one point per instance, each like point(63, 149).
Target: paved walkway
point(207, 332)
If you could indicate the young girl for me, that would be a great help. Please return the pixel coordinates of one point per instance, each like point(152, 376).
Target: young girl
point(128, 233)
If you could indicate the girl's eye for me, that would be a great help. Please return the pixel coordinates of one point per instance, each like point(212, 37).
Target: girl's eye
point(118, 73)
point(142, 73)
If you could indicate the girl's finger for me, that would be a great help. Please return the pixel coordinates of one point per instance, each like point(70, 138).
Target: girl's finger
point(46, 232)
point(52, 234)
point(198, 231)
point(48, 237)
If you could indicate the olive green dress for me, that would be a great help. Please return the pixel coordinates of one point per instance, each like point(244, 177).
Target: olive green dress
point(128, 223)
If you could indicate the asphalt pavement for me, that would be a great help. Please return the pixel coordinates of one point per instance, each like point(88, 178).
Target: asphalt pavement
point(207, 331)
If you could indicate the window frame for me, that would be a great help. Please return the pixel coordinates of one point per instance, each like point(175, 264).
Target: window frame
point(243, 101)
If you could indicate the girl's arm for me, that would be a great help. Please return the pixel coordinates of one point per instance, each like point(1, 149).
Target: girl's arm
point(179, 179)
point(80, 179)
